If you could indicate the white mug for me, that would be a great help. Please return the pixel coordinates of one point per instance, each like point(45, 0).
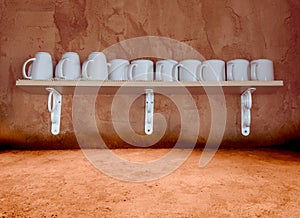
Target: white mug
point(187, 70)
point(212, 70)
point(238, 69)
point(68, 67)
point(165, 70)
point(262, 69)
point(40, 69)
point(141, 70)
point(118, 69)
point(95, 67)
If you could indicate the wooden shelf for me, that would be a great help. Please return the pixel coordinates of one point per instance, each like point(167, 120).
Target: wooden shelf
point(127, 87)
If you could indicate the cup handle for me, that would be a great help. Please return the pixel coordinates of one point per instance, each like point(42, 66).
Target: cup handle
point(24, 68)
point(254, 71)
point(130, 71)
point(200, 72)
point(158, 72)
point(108, 65)
point(176, 72)
point(230, 72)
point(59, 68)
point(84, 69)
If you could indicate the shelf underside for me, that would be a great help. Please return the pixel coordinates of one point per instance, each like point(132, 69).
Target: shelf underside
point(127, 87)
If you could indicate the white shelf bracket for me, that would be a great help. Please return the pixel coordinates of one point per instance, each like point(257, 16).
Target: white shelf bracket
point(149, 108)
point(246, 104)
point(54, 107)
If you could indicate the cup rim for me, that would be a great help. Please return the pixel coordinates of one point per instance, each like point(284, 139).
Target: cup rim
point(167, 60)
point(95, 54)
point(70, 53)
point(190, 60)
point(141, 61)
point(239, 59)
point(119, 60)
point(262, 60)
point(214, 61)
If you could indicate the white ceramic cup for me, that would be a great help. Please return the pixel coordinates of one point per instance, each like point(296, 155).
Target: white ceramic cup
point(262, 69)
point(187, 70)
point(95, 67)
point(68, 68)
point(40, 69)
point(118, 69)
point(165, 70)
point(212, 70)
point(238, 69)
point(141, 70)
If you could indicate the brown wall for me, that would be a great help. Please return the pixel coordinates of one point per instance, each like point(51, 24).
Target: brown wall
point(217, 29)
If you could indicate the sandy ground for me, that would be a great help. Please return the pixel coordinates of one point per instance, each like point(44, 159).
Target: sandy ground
point(253, 183)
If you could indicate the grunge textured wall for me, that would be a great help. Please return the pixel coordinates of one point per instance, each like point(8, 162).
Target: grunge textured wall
point(225, 30)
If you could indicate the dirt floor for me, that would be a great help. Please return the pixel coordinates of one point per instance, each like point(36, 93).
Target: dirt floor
point(253, 183)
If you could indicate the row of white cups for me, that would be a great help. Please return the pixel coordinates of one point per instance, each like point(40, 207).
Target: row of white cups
point(96, 67)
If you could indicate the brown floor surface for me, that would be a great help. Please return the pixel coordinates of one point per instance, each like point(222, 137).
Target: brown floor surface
point(251, 183)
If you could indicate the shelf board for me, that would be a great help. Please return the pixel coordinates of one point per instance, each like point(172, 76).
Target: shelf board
point(126, 87)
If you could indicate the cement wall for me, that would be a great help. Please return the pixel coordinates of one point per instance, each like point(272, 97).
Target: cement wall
point(225, 30)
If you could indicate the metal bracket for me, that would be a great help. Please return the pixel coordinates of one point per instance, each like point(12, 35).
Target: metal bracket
point(54, 107)
point(246, 104)
point(149, 108)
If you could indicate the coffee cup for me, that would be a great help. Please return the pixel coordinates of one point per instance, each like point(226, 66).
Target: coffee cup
point(165, 70)
point(40, 69)
point(118, 69)
point(141, 70)
point(95, 67)
point(187, 70)
point(212, 70)
point(68, 68)
point(262, 69)
point(238, 69)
